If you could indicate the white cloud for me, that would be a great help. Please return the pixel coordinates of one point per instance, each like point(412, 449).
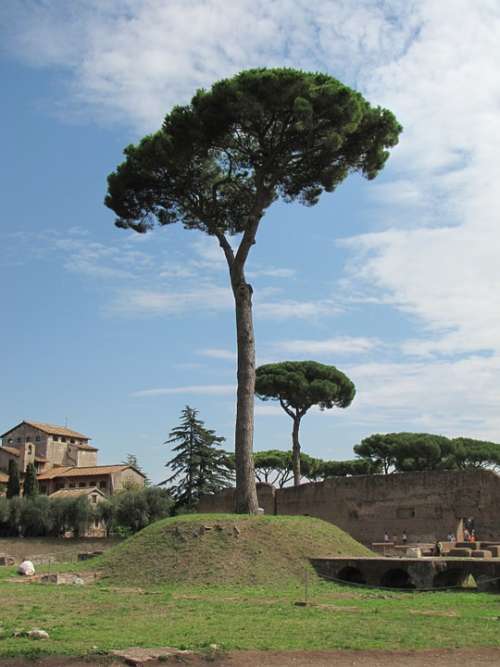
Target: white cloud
point(340, 345)
point(134, 60)
point(451, 397)
point(173, 301)
point(440, 261)
point(197, 390)
point(217, 353)
point(271, 273)
point(292, 309)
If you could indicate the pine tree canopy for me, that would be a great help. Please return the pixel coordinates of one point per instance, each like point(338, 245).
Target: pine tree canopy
point(198, 466)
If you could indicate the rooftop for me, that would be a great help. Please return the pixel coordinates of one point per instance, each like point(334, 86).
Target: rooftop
point(50, 429)
point(72, 493)
point(84, 471)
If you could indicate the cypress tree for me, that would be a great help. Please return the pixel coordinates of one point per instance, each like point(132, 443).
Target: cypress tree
point(198, 467)
point(30, 481)
point(13, 485)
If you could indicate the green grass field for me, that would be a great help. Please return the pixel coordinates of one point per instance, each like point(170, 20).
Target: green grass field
point(188, 614)
point(98, 617)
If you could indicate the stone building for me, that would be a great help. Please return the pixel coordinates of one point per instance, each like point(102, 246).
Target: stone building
point(63, 459)
point(426, 505)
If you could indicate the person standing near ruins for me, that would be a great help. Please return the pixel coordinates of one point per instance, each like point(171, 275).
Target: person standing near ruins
point(404, 537)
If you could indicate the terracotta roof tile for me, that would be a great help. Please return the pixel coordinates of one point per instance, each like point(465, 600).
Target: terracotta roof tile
point(68, 493)
point(50, 429)
point(83, 471)
point(10, 450)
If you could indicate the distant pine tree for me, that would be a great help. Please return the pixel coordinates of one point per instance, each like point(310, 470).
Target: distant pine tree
point(198, 467)
point(30, 481)
point(13, 485)
point(131, 460)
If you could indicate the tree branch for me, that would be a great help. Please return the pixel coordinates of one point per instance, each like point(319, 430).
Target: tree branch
point(286, 408)
point(226, 246)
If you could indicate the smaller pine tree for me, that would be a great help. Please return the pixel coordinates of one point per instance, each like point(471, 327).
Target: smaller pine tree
point(30, 481)
point(198, 466)
point(13, 485)
point(131, 460)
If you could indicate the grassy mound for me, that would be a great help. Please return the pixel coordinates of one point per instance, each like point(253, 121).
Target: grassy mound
point(225, 548)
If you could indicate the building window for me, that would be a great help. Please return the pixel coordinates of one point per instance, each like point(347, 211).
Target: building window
point(63, 439)
point(28, 438)
point(94, 498)
point(102, 484)
point(82, 485)
point(59, 485)
point(18, 439)
point(55, 438)
point(10, 441)
point(71, 485)
point(96, 523)
point(37, 439)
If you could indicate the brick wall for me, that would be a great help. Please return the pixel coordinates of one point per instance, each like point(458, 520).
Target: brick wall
point(427, 505)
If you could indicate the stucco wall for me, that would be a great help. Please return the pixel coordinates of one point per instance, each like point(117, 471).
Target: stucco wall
point(427, 505)
point(22, 434)
point(128, 476)
point(86, 458)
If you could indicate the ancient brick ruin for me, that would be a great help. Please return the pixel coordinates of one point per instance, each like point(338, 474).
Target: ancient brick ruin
point(427, 505)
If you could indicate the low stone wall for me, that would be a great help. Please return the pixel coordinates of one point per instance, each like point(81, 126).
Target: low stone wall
point(426, 505)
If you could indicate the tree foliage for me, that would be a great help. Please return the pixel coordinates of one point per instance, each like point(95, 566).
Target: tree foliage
point(199, 467)
point(298, 385)
point(404, 452)
point(13, 484)
point(30, 487)
point(219, 162)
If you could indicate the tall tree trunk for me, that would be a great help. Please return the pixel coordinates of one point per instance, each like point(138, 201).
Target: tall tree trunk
point(246, 493)
point(296, 451)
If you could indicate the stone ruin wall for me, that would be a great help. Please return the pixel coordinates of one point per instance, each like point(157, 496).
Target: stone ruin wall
point(428, 505)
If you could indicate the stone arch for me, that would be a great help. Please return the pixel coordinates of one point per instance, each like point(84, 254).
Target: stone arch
point(455, 576)
point(351, 574)
point(396, 578)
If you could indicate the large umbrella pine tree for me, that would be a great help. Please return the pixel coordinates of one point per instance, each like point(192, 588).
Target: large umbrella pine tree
point(219, 162)
point(298, 385)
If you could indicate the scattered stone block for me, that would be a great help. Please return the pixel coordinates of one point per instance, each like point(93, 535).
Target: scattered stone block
point(26, 568)
point(468, 545)
point(460, 553)
point(5, 559)
point(481, 553)
point(139, 656)
point(38, 634)
point(414, 552)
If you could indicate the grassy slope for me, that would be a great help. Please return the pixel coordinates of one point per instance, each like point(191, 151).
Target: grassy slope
point(266, 549)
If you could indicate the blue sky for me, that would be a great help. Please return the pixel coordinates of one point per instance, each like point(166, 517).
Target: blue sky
point(394, 281)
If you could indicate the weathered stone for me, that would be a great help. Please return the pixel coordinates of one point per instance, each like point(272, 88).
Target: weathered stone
point(5, 559)
point(139, 656)
point(460, 553)
point(38, 634)
point(26, 568)
point(481, 553)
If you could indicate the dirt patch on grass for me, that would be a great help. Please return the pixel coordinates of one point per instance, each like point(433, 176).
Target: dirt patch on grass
point(486, 657)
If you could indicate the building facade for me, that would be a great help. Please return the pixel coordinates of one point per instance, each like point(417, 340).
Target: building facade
point(63, 459)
